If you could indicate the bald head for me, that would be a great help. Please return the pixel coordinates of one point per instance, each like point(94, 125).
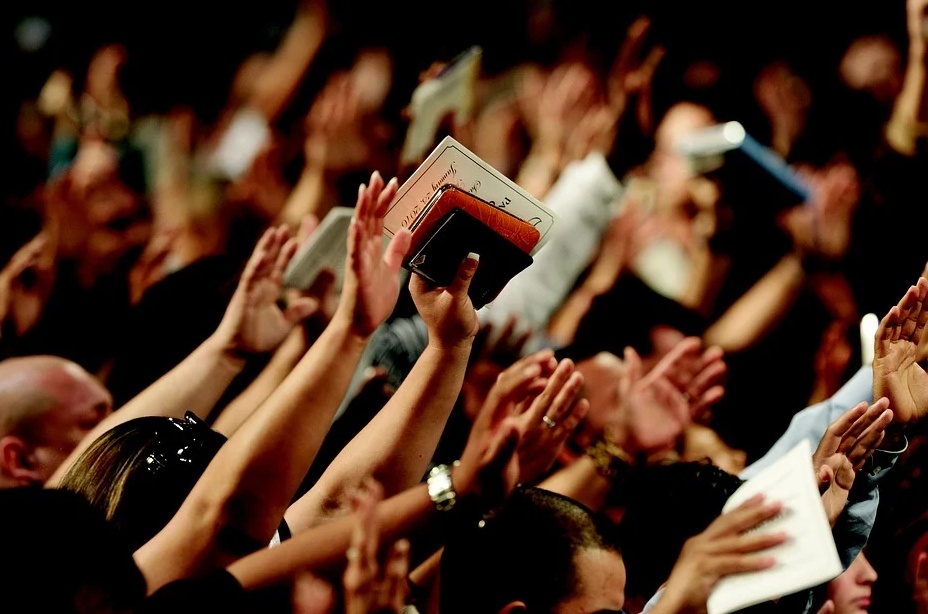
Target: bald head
point(47, 405)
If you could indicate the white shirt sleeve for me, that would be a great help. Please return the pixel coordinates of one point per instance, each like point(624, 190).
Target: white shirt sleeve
point(584, 197)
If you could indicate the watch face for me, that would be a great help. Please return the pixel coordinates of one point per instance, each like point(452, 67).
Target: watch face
point(441, 490)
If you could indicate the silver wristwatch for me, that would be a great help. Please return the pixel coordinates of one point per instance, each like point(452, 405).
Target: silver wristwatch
point(441, 490)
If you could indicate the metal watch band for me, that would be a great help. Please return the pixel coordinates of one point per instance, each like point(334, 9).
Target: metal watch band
point(441, 490)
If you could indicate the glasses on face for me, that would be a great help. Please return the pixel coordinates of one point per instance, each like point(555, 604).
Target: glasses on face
point(183, 443)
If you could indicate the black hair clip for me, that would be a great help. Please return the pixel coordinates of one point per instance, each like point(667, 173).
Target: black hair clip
point(183, 443)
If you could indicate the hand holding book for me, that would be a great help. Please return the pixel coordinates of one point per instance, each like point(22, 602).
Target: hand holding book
point(455, 204)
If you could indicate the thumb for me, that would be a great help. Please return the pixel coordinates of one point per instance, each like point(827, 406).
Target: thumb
point(826, 476)
point(396, 249)
point(827, 608)
point(301, 308)
point(633, 363)
point(465, 274)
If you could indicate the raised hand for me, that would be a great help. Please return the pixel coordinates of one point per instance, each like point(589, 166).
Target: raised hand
point(548, 420)
point(855, 434)
point(726, 547)
point(372, 282)
point(253, 321)
point(836, 477)
point(696, 372)
point(334, 143)
point(897, 373)
point(372, 586)
point(652, 412)
point(448, 312)
point(631, 76)
point(25, 283)
point(489, 466)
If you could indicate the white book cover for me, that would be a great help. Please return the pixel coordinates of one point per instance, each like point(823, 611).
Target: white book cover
point(451, 92)
point(451, 162)
point(806, 559)
point(327, 247)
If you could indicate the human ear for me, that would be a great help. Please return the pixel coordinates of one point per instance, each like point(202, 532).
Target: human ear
point(15, 461)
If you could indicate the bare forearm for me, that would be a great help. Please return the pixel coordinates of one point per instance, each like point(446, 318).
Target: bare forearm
point(195, 384)
point(306, 198)
point(278, 83)
point(757, 311)
point(281, 364)
point(708, 275)
point(910, 111)
point(323, 547)
point(251, 480)
point(397, 445)
point(274, 448)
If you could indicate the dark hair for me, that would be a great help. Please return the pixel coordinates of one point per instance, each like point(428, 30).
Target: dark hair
point(625, 316)
point(64, 556)
point(139, 472)
point(666, 504)
point(522, 551)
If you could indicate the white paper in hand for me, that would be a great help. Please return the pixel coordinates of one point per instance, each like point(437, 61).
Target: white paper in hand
point(452, 92)
point(327, 247)
point(808, 557)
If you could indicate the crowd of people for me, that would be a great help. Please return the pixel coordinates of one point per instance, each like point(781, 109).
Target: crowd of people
point(182, 431)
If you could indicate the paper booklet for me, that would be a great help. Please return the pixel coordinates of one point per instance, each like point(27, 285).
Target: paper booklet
point(327, 247)
point(808, 557)
point(452, 92)
point(452, 163)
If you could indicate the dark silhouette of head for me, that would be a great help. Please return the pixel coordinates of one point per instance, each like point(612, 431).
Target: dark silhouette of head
point(529, 555)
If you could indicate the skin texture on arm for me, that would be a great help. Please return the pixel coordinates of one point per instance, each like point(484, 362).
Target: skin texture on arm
point(910, 110)
point(486, 475)
point(253, 323)
point(281, 364)
point(278, 81)
point(241, 497)
point(398, 443)
point(759, 309)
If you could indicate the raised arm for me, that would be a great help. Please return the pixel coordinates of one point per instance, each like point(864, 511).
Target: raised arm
point(487, 473)
point(909, 119)
point(253, 323)
point(397, 445)
point(240, 499)
point(636, 414)
point(897, 372)
point(278, 82)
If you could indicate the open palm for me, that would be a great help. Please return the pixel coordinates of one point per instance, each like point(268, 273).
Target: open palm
point(372, 283)
point(254, 322)
point(897, 374)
